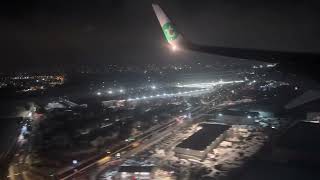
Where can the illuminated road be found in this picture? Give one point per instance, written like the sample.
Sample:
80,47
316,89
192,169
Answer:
155,138
83,168
18,169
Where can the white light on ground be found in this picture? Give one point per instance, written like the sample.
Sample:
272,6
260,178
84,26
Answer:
209,84
220,114
74,162
24,129
249,117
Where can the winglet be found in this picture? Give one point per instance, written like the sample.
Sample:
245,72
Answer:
172,36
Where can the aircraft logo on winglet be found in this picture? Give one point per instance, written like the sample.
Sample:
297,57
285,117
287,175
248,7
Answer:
169,31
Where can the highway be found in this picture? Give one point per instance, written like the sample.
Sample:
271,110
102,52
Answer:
102,160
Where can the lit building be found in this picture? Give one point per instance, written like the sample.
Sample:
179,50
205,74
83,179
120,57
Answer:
200,143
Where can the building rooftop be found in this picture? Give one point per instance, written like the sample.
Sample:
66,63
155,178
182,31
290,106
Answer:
303,136
204,137
238,113
132,169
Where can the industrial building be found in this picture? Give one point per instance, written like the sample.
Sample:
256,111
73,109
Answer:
135,172
201,142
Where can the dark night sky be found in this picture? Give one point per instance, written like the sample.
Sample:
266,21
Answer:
62,32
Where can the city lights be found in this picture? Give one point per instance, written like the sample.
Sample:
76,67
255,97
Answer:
204,88
105,98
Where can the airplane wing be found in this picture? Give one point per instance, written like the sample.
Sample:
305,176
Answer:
173,37
293,62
